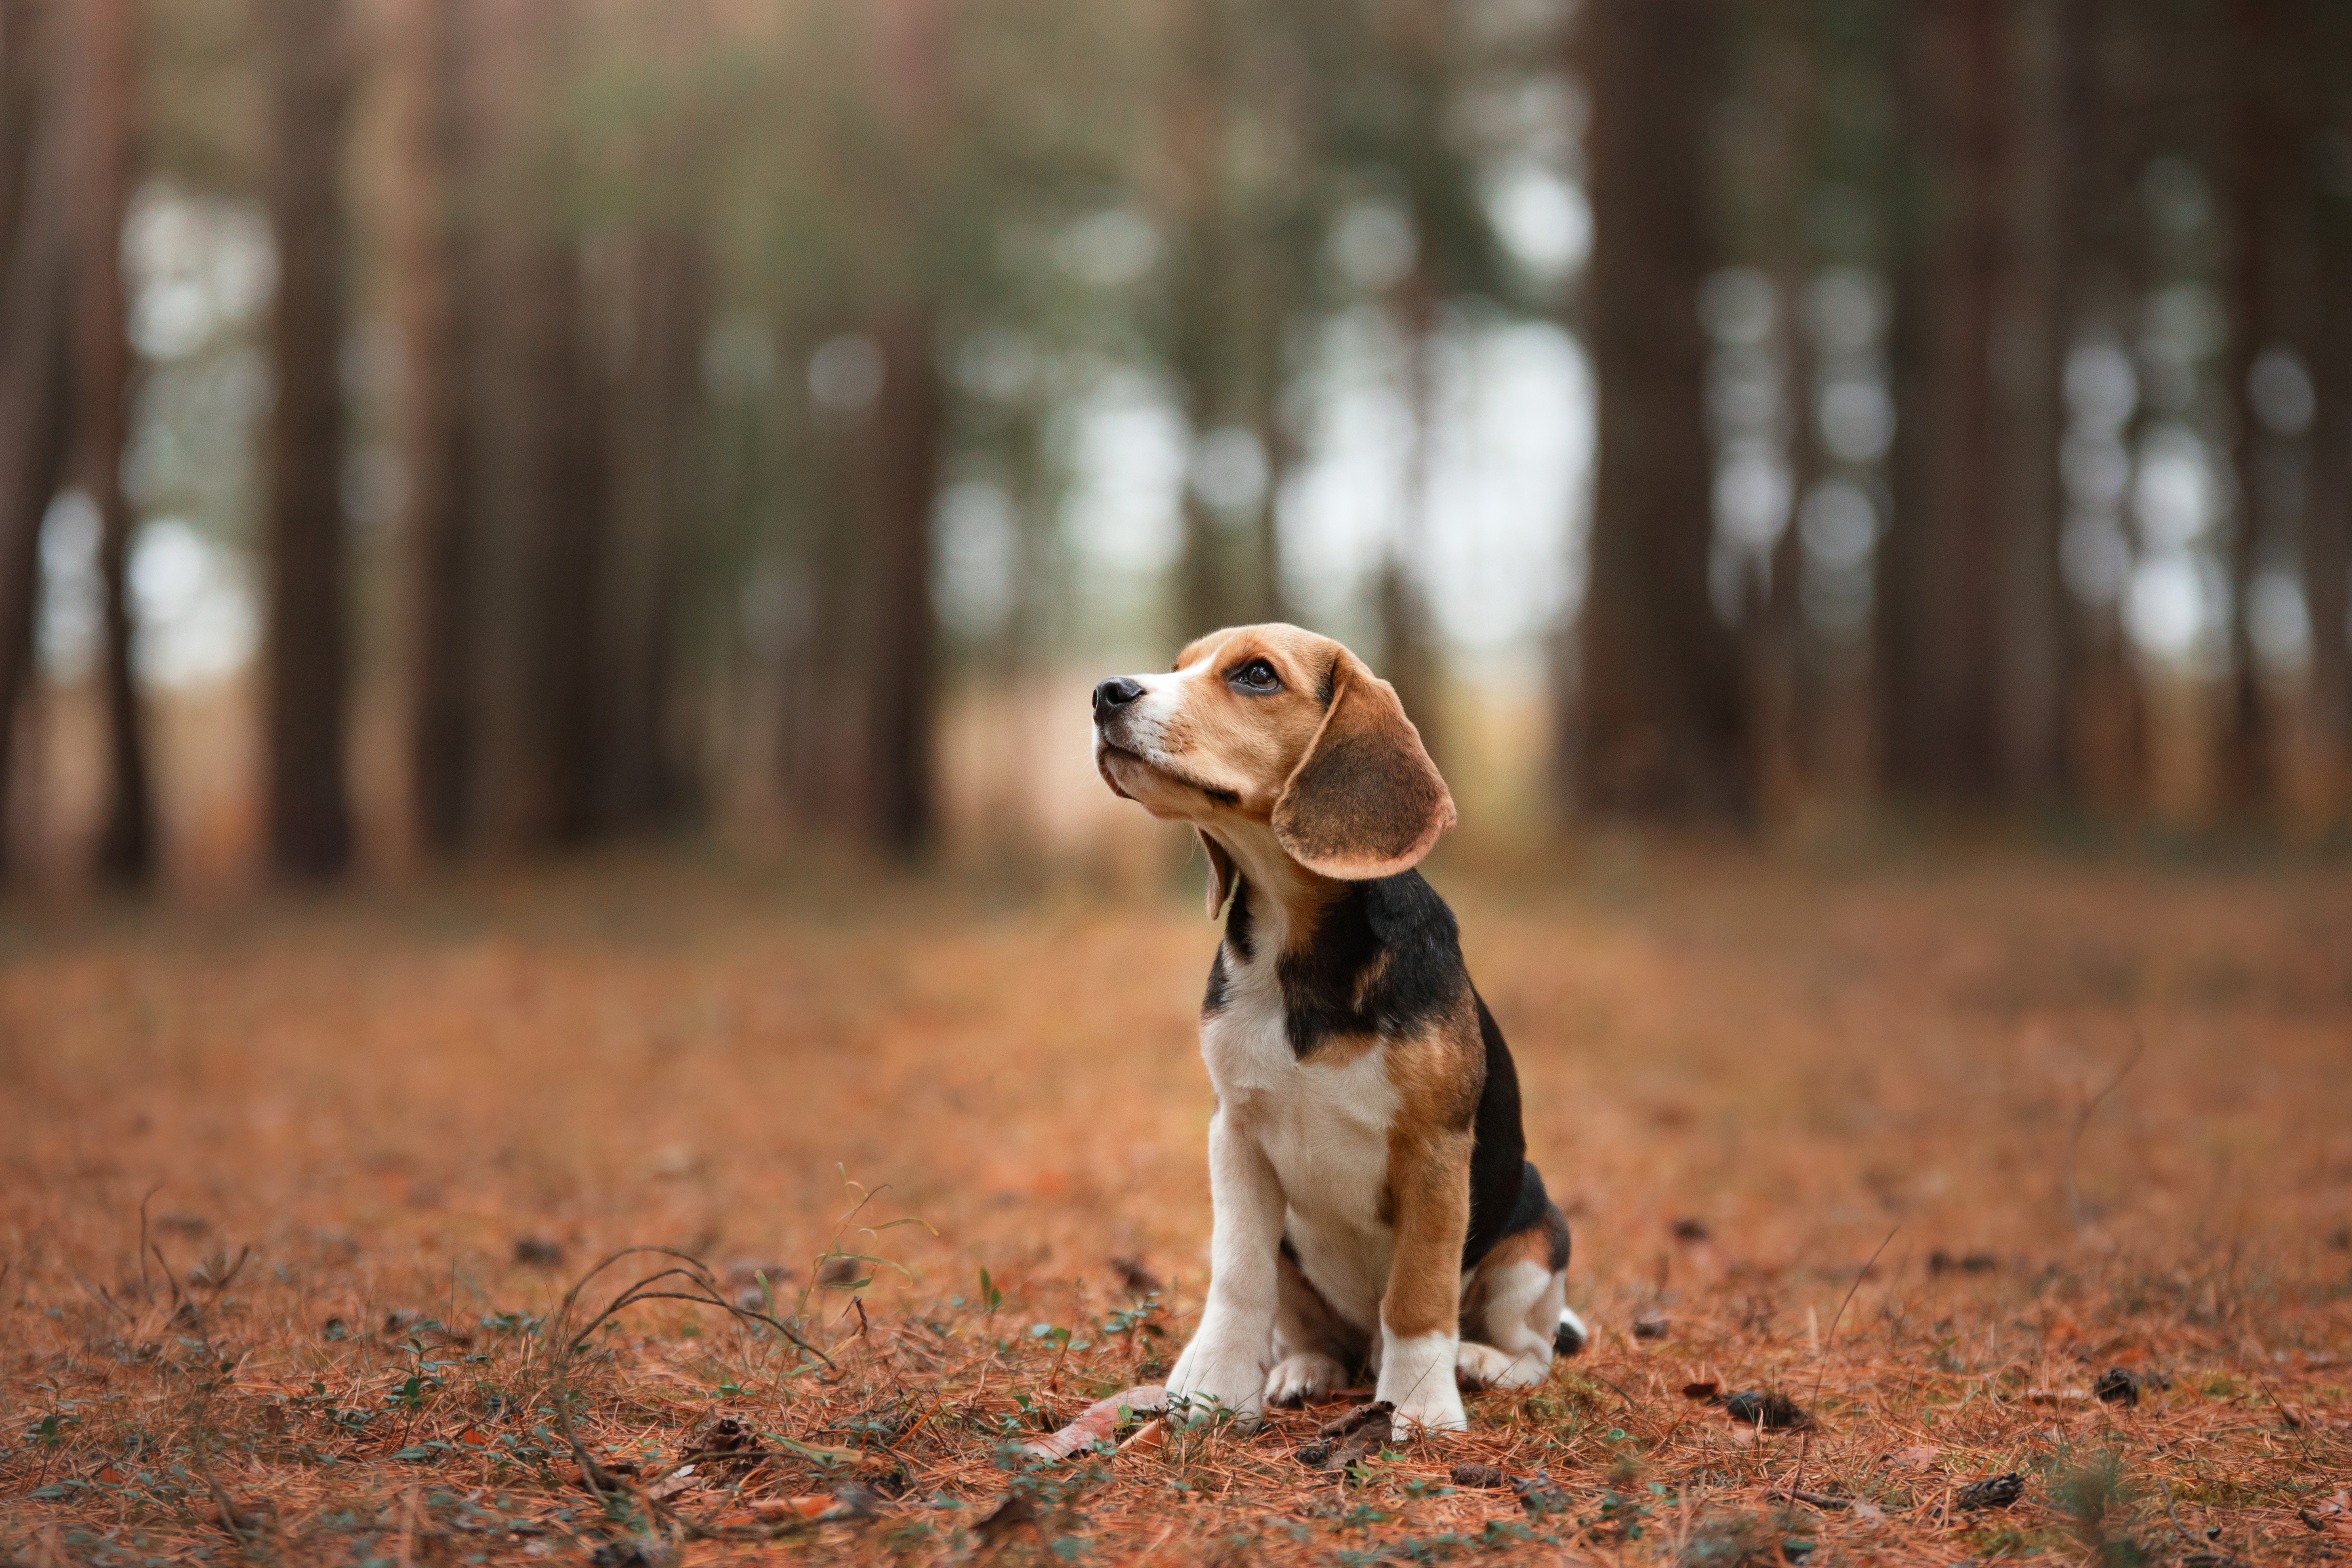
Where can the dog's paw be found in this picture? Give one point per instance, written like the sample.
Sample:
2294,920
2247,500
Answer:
1431,1415
1489,1366
1417,1377
1571,1335
1213,1383
1308,1376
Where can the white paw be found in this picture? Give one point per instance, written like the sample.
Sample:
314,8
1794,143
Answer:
1428,1415
1308,1375
1213,1381
1417,1377
1486,1366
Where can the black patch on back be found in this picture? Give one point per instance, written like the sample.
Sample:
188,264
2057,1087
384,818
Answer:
1214,1002
1398,917
1503,1185
1556,1231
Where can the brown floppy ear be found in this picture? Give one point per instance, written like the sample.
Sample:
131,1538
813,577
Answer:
1365,801
1223,875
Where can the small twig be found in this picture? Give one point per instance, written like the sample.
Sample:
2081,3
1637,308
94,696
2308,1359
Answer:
2083,1121
146,1285
2286,1417
99,1293
2165,1492
221,1284
179,1297
1822,1367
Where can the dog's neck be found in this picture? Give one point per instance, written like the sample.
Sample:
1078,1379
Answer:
1286,899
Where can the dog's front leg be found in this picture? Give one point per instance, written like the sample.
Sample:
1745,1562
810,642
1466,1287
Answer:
1227,1358
1429,1179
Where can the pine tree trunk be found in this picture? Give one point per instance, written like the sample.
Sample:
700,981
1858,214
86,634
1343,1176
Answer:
540,408
901,480
1659,720
2327,525
309,824
2029,354
573,530
1408,655
2326,521
432,258
107,84
1939,576
2261,148
35,390
649,767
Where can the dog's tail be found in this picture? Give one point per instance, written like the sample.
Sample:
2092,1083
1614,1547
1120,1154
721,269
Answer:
1571,1335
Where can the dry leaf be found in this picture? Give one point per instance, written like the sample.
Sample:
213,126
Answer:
1152,1434
808,1507
1918,1458
1099,1421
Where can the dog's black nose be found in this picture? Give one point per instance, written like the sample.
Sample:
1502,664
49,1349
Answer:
1114,694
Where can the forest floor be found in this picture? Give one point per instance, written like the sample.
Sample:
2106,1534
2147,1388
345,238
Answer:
293,1195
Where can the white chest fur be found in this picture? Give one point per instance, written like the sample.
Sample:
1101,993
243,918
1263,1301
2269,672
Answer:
1322,1124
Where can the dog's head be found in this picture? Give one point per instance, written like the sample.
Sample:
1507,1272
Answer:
1275,725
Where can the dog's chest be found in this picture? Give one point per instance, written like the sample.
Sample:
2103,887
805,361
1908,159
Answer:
1322,1123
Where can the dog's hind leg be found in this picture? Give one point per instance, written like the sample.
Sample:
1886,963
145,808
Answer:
1511,1349
1313,1347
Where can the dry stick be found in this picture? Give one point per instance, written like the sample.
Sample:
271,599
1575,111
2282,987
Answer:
2083,1121
2286,1418
600,1482
1821,1371
145,1285
95,1292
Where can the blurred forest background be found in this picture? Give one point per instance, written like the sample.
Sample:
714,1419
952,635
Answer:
475,428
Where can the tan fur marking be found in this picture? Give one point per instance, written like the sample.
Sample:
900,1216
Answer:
1439,1075
1430,1180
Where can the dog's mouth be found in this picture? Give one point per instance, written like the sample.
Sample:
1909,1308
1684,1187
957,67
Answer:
1104,752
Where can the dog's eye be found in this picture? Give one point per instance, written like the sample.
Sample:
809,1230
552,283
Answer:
1257,675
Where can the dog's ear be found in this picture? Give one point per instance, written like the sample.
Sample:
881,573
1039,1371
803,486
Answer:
1365,801
1223,876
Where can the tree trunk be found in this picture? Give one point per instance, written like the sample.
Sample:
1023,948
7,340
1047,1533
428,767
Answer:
25,58
543,530
432,256
647,767
309,824
2263,147
1658,726
2028,350
568,668
1408,653
106,83
34,397
1940,574
2326,522
901,479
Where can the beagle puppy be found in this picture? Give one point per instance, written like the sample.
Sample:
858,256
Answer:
1373,1205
